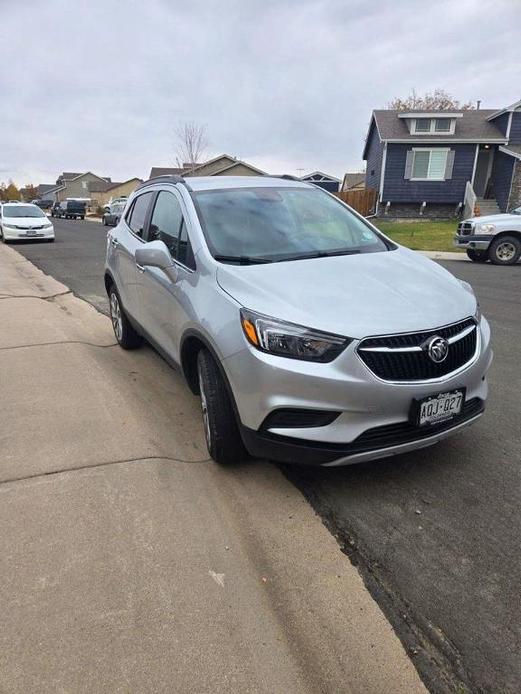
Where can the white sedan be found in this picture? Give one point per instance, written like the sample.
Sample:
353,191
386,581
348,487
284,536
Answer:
24,221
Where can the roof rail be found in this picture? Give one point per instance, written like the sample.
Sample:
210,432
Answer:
167,178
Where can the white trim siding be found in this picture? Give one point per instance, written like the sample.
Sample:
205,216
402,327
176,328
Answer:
382,174
475,167
509,123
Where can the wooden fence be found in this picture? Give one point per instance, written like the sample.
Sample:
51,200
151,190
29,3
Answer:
363,201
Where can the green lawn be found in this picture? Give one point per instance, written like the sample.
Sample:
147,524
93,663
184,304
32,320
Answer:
420,236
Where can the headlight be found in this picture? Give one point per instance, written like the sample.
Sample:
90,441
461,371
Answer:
485,228
47,225
290,340
10,226
468,288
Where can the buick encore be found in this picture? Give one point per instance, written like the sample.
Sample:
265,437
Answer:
309,335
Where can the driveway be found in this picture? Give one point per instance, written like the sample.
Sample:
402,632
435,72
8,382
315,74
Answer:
436,533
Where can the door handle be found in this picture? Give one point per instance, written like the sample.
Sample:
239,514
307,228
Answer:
114,242
140,268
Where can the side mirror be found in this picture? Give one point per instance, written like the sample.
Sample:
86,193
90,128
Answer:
155,254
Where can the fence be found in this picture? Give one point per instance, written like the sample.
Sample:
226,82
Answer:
363,201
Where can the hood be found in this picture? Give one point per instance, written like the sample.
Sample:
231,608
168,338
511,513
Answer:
26,222
502,217
355,296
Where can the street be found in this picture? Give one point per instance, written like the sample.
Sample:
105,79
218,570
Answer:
435,534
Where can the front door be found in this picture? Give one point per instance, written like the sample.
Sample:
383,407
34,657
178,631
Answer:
482,174
125,239
163,302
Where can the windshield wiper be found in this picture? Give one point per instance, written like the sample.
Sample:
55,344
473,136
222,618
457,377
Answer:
318,254
242,259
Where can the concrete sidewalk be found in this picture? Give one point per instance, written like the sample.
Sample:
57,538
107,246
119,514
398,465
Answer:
131,563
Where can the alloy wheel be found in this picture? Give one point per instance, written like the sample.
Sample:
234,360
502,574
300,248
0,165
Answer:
204,406
116,317
505,251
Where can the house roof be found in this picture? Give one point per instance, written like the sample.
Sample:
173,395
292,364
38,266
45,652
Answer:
116,184
473,126
353,179
237,162
68,175
46,188
513,150
156,171
507,109
319,176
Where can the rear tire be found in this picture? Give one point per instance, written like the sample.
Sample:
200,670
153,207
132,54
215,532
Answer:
220,423
477,256
505,250
125,334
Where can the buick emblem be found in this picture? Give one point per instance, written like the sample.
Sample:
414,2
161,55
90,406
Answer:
437,348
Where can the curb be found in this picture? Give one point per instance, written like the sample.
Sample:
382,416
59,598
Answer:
444,255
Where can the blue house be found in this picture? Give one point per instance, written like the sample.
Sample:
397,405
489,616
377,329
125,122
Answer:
444,163
322,180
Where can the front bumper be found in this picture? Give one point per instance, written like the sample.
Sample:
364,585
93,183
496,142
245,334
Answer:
21,235
262,384
480,242
381,442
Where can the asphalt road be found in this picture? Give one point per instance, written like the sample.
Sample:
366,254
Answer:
436,534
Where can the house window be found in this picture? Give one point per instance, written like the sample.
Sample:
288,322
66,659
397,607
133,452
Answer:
84,185
429,164
429,126
423,125
442,125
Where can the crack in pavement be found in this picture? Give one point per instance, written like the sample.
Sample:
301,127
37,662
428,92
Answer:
33,296
60,342
105,463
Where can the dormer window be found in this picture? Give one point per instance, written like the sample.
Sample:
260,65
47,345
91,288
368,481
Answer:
433,126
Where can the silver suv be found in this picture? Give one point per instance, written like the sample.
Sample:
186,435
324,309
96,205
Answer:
310,336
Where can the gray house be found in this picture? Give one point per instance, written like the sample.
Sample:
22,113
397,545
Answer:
445,163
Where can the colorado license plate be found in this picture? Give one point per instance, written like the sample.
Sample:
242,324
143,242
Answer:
439,408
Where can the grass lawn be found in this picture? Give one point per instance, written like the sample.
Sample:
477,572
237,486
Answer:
421,236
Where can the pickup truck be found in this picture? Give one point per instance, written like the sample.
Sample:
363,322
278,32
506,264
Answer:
495,237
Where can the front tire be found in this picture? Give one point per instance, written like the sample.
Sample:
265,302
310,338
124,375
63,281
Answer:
125,334
505,250
477,256
220,423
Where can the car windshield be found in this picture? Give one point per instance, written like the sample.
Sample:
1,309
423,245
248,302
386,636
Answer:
268,224
517,210
22,211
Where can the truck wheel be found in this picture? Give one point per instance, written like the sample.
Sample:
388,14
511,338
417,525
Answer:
505,250
477,256
220,424
82,217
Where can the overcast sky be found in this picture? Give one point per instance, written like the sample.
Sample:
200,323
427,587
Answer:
284,84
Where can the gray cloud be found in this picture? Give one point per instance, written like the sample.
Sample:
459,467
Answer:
100,84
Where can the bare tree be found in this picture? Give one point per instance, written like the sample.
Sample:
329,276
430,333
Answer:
438,100
191,144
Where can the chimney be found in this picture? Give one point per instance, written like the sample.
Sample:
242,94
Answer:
478,104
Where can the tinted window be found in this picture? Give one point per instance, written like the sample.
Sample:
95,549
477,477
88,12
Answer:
138,213
281,223
166,221
185,253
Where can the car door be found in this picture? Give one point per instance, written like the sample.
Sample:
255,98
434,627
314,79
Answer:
164,303
123,241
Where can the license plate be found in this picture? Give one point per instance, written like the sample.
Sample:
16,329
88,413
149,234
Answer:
31,232
439,408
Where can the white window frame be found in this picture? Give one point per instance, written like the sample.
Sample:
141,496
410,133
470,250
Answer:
432,130
430,150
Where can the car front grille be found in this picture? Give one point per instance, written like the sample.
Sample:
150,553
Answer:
404,432
404,357
465,228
